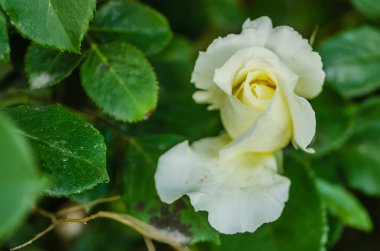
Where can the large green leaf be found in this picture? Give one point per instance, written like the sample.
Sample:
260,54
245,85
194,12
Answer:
53,23
120,80
360,159
141,197
369,8
46,67
71,152
302,226
330,107
19,182
4,40
131,22
344,205
352,61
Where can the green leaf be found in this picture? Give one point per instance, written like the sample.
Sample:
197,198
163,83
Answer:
141,196
45,67
120,80
369,8
19,182
131,22
344,205
360,159
302,226
52,23
329,106
71,152
4,40
173,67
352,61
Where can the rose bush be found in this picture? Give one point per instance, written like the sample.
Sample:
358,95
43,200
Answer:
259,80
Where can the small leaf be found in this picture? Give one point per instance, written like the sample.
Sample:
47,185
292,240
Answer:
46,67
4,40
119,79
52,23
329,106
352,63
131,22
359,160
344,205
369,8
71,152
302,226
19,182
141,197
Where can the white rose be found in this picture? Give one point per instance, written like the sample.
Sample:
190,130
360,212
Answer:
259,80
239,192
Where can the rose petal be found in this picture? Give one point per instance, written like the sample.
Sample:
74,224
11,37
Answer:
270,132
261,24
256,56
298,55
237,117
304,122
302,114
255,33
240,194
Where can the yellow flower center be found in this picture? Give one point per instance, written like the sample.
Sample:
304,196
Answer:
254,88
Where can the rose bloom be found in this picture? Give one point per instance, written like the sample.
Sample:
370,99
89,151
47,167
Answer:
259,80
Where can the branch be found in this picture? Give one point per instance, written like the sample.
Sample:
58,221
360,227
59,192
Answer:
149,232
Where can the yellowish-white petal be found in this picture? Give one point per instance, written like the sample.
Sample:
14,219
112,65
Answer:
298,55
255,56
271,131
302,115
304,122
263,25
254,34
237,117
239,194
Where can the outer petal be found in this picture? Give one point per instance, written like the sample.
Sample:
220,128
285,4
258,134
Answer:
298,55
304,123
302,114
270,132
255,33
240,193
